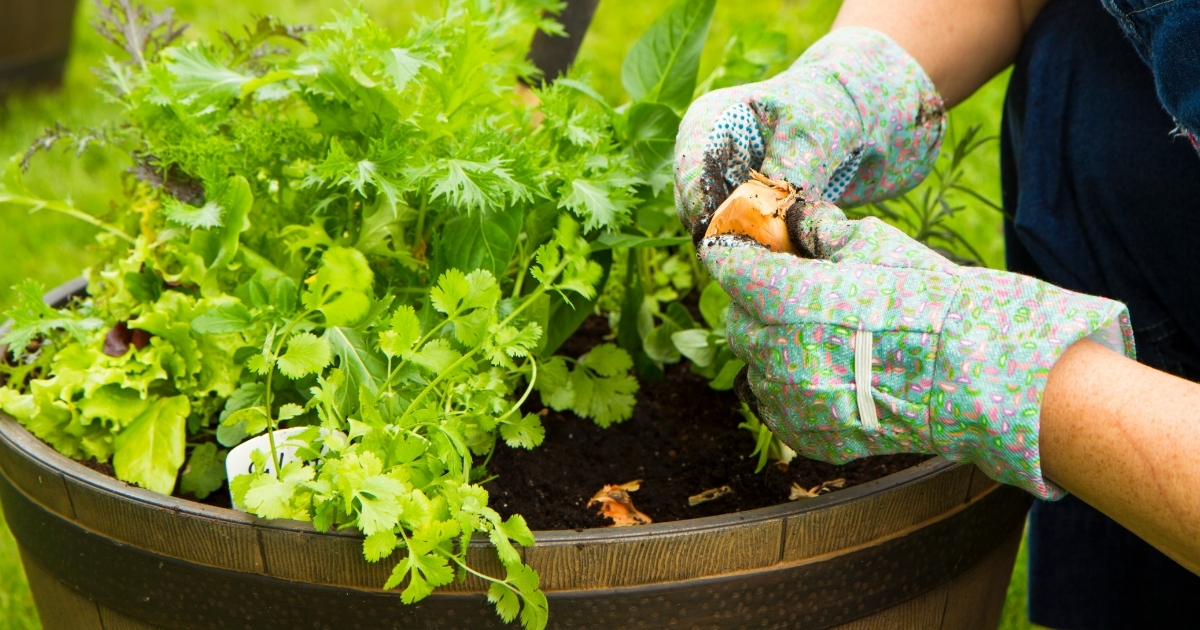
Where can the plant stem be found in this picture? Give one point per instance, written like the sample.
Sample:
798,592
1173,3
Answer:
275,464
69,210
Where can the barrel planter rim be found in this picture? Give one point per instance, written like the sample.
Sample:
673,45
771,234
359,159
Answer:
938,537
22,440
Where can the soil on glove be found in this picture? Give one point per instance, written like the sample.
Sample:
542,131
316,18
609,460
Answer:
683,439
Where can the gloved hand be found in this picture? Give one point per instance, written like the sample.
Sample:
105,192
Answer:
854,119
886,347
951,360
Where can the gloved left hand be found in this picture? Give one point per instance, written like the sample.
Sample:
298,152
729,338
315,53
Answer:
854,119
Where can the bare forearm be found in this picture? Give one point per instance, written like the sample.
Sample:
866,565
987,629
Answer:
960,43
1126,439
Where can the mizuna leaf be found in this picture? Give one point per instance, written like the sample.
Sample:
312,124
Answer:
150,451
591,201
306,354
198,218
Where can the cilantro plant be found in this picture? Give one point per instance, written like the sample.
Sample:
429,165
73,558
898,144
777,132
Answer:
366,236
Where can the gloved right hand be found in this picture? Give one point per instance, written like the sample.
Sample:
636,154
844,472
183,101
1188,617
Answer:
883,346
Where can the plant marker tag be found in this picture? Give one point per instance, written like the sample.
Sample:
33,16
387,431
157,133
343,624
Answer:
239,463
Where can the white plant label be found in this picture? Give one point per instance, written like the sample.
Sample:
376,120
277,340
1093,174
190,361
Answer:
239,462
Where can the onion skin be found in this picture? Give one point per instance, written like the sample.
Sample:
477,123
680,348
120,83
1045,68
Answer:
757,209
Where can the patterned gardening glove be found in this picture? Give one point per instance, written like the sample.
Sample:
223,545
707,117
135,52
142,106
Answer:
883,346
854,119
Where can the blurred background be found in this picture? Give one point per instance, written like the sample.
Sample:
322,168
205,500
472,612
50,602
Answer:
53,249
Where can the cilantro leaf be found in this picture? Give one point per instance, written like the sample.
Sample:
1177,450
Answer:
306,354
525,432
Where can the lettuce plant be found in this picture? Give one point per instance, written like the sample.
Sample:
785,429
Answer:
365,235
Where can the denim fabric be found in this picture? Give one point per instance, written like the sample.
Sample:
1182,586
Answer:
1166,33
1103,201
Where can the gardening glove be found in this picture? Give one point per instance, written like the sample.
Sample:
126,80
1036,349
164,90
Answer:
854,119
883,346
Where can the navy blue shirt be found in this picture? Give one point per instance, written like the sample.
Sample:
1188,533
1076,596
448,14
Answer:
1102,184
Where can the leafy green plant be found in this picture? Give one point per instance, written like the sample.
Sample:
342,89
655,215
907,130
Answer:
363,235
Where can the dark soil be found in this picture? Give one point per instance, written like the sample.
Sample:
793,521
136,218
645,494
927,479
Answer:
683,439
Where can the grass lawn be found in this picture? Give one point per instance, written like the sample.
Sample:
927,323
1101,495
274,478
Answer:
52,249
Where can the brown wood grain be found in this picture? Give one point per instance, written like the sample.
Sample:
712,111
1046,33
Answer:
980,483
819,532
213,542
59,607
658,558
923,612
338,561
114,620
44,484
976,598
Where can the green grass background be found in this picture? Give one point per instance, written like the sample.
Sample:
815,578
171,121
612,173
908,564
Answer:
53,249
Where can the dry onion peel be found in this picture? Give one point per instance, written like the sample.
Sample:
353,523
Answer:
616,504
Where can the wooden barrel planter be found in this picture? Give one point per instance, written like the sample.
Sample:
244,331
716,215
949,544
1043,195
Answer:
928,547
35,37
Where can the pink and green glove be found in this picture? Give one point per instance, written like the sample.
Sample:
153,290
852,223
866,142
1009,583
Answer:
886,347
855,119
876,344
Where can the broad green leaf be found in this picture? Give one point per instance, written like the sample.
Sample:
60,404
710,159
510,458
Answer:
436,355
341,288
306,354
695,345
150,451
724,380
611,240
651,131
204,473
235,198
663,64
481,241
714,304
361,365
226,318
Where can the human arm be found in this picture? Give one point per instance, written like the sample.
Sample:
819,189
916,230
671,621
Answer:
961,44
1125,438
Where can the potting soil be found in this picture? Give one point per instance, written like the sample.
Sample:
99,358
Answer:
683,439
